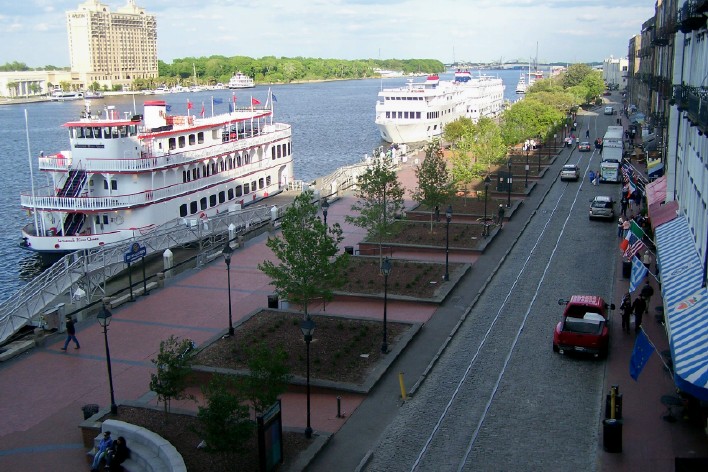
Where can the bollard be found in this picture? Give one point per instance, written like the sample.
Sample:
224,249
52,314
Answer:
339,407
403,386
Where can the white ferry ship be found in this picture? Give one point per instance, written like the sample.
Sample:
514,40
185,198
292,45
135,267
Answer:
418,112
124,176
239,80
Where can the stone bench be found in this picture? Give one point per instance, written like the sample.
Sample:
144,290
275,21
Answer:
149,452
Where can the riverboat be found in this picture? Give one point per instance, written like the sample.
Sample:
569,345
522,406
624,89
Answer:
239,81
521,86
61,96
124,176
418,112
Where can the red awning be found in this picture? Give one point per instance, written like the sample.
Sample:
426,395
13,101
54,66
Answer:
656,191
662,213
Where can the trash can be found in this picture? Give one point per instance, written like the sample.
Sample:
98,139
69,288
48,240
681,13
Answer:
626,269
273,301
349,250
618,406
612,435
89,410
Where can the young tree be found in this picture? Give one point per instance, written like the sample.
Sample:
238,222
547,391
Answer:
173,363
309,266
435,187
225,421
487,146
268,376
379,200
462,169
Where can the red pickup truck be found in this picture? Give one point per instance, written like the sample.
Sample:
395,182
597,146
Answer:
583,327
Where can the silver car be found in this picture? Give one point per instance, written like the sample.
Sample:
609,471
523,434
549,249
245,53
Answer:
570,172
602,207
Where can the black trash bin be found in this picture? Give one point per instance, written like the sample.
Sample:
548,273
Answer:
89,410
349,250
273,301
626,269
612,435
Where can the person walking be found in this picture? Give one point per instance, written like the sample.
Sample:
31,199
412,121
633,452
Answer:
646,260
626,307
646,293
501,215
587,133
620,224
625,226
639,307
624,202
70,333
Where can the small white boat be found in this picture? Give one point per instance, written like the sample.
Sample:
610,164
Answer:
93,95
61,96
240,80
521,86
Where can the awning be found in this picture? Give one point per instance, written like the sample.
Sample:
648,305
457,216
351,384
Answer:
685,306
659,210
656,191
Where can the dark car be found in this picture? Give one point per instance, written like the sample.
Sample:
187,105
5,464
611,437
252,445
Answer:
584,146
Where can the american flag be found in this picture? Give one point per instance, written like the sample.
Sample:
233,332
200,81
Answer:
634,248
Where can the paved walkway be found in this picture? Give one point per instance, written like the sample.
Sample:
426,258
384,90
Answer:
42,391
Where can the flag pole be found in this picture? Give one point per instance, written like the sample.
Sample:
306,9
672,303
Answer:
666,366
212,106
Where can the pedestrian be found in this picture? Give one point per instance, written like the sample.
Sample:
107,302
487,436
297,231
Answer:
626,224
117,454
596,180
70,333
623,205
620,222
646,293
637,198
638,307
587,134
626,307
646,260
501,215
591,176
102,450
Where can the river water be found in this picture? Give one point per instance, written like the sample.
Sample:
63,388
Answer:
333,126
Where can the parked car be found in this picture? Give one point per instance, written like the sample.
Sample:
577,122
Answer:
570,172
583,326
609,111
602,207
584,146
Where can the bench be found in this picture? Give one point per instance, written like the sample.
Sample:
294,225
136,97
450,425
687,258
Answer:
149,452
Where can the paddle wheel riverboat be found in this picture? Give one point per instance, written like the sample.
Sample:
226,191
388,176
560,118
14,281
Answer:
125,176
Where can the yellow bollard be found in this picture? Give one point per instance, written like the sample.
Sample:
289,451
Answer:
403,386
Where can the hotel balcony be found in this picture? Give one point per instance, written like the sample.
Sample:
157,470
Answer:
690,17
693,101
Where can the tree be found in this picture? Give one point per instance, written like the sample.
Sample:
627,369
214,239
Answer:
455,130
487,146
173,363
575,74
462,170
435,187
225,421
268,376
379,201
309,266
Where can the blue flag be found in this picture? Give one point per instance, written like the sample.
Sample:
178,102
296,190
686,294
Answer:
168,107
273,95
218,101
640,355
231,108
639,271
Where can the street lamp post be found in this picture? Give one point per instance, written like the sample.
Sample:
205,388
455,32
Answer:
509,180
526,177
227,258
448,218
386,270
487,181
325,209
308,328
104,319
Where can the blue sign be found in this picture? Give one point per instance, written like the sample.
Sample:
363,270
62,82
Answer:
136,252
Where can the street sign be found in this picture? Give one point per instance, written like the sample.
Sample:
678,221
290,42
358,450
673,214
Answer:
136,252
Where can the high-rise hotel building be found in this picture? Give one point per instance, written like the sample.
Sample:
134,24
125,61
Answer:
112,48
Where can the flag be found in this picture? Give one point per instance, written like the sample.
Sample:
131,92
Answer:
168,108
273,96
635,229
218,101
632,188
640,354
639,271
189,105
202,112
231,108
634,248
629,238
255,101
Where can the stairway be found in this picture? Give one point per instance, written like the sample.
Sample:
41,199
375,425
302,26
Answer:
74,184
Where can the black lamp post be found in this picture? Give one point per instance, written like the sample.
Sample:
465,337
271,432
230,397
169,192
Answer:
325,208
526,177
104,319
508,181
227,258
487,181
448,218
308,328
386,270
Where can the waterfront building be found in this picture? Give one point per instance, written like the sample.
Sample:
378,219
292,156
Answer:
112,48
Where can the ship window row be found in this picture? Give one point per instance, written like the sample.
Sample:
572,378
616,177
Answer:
209,169
404,98
432,115
181,141
222,196
403,115
280,150
102,132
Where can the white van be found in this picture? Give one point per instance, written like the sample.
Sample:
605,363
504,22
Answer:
609,111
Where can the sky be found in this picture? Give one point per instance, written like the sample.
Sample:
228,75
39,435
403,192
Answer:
34,31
